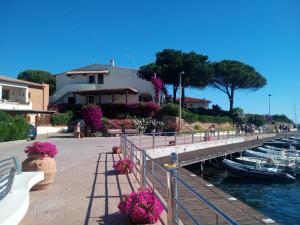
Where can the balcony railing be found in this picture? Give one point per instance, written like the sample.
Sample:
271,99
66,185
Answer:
7,104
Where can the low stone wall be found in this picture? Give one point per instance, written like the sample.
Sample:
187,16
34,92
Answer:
166,151
49,129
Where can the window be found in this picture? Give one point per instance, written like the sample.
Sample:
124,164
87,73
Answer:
71,100
91,99
100,79
91,79
5,94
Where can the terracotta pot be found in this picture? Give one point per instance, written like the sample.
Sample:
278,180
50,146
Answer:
116,150
37,163
140,220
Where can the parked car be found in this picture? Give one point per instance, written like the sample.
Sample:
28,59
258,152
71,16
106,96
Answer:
32,133
73,124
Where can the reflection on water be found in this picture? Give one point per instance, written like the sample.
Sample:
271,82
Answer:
280,201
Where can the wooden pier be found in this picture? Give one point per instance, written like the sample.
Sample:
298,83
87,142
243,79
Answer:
237,210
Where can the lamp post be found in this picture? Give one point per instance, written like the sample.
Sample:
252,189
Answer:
180,100
269,106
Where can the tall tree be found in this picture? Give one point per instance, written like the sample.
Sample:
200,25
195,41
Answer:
169,63
233,75
39,76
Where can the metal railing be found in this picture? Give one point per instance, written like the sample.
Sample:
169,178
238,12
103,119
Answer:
162,139
8,169
165,184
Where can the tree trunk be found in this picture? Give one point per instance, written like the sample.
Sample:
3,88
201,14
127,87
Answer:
174,93
231,99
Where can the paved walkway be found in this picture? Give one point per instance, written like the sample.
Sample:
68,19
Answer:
86,189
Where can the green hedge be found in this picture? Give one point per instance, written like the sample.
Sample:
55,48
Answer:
62,118
171,109
214,119
12,128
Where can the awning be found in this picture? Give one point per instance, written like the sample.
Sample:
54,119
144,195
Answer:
120,91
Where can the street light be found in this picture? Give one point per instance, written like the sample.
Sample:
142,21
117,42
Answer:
270,106
180,93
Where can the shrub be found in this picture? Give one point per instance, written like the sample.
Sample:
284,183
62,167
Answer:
148,125
62,118
92,117
12,128
147,109
118,123
214,119
43,149
170,109
64,107
141,205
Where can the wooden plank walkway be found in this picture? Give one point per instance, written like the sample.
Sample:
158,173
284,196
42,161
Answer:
237,210
201,155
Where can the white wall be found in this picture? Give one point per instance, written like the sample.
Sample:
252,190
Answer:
117,78
49,129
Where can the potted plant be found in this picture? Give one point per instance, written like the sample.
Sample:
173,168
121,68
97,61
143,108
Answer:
40,157
116,150
142,207
123,166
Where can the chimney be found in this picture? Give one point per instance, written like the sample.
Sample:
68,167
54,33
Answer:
112,62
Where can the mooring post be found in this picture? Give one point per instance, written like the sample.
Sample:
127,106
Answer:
172,192
153,140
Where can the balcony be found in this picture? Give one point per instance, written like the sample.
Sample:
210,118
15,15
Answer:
13,105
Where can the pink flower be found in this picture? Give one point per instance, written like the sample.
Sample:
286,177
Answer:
43,149
142,204
123,166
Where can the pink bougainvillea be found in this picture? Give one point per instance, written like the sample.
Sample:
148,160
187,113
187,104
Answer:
123,166
142,205
158,86
43,149
92,115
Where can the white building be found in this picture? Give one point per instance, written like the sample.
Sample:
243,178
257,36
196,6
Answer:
195,103
19,97
101,84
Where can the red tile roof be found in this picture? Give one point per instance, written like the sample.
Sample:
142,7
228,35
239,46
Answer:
194,100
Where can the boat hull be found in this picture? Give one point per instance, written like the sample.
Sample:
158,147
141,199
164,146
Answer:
232,167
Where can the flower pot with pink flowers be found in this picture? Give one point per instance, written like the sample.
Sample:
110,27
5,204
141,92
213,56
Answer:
116,150
40,157
123,166
142,207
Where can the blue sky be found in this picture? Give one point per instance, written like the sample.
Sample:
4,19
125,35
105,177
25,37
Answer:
60,35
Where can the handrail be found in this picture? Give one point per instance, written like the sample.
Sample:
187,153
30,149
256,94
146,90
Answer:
8,169
130,150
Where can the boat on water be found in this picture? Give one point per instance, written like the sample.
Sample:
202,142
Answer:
269,163
283,144
257,171
282,158
282,152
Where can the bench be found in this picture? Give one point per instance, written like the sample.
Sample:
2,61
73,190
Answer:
114,132
14,203
131,131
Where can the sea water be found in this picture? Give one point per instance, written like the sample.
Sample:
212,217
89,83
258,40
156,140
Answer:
278,201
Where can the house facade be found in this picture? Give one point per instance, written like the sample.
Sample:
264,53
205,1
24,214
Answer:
195,103
101,84
23,97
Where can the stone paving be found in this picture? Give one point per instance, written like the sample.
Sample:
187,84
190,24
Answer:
86,189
